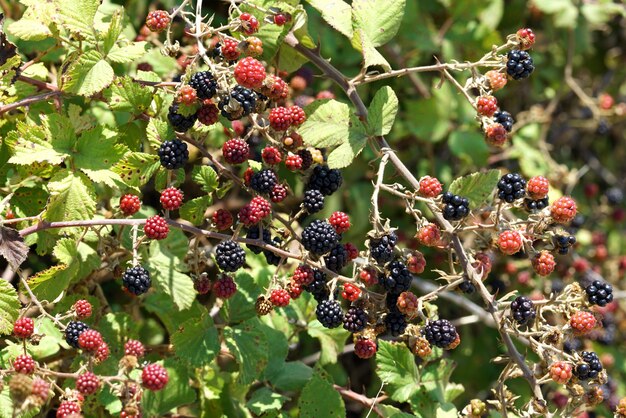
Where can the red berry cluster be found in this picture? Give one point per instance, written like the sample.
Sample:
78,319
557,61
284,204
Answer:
222,219
563,209
351,292
186,95
271,155
543,263
249,23
23,328
208,114
280,297
88,383
583,322
130,204
24,364
154,377
171,198
486,105
282,118
156,228
538,187
526,38
293,162
561,372
157,20
510,242
83,309
340,221
255,211
303,275
430,187
429,235
90,340
236,151
416,263
250,72
230,49
134,348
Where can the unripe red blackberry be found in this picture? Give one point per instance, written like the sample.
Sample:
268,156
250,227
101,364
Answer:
249,23
365,348
294,289
563,210
254,211
582,322
134,348
293,162
407,304
421,347
24,364
416,263
229,48
20,387
88,383
526,38
102,354
352,250
429,187
157,20
538,187
68,409
83,309
543,263
225,287
280,19
40,391
369,276
497,80
486,105
340,221
236,151
350,292
482,264
510,242
186,95
130,204
496,134
208,114
23,327
278,89
278,193
154,377
297,115
280,118
90,340
250,73
202,284
171,198
156,228
253,46
429,235
271,155
222,219
280,298
303,275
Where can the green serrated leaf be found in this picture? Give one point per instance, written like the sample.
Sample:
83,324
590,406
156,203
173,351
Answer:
327,124
193,210
206,177
344,154
72,197
371,56
469,146
395,365
196,341
382,111
476,187
163,307
240,306
158,131
336,13
77,16
320,399
128,53
379,20
29,201
113,31
87,75
9,307
29,30
249,346
50,283
30,146
292,376
264,400
332,341
96,154
128,96
136,168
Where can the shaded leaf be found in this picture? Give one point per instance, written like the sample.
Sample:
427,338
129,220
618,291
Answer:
320,399
196,341
12,247
395,365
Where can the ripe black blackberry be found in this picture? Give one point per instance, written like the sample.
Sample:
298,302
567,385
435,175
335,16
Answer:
564,242
398,278
523,310
307,158
599,293
313,201
179,122
325,180
381,249
319,237
455,207
467,286
440,333
73,331
395,323
173,154
230,256
505,119
329,313
238,103
253,233
511,187
263,181
590,368
318,287
355,319
204,83
519,64
571,345
136,280
536,205
270,257
391,301
337,258
614,196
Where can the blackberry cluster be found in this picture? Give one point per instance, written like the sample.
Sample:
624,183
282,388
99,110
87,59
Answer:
398,278
505,119
440,333
313,201
230,256
381,249
536,205
391,301
173,154
204,84
511,187
455,207
599,293
263,181
179,122
238,103
325,180
329,313
355,319
519,64
270,257
136,280
590,368
318,287
319,237
395,323
73,331
523,310
337,258
564,242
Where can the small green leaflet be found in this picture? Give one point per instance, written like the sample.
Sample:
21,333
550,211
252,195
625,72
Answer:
477,187
9,307
382,111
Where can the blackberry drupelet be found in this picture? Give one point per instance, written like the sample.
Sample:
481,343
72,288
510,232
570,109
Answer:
253,233
395,323
238,103
440,333
230,256
381,249
73,331
599,293
319,237
204,83
313,201
455,207
136,280
590,368
325,180
511,187
337,258
270,257
523,310
398,278
505,119
329,313
355,319
263,181
519,64
173,154
536,205
179,122
318,287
